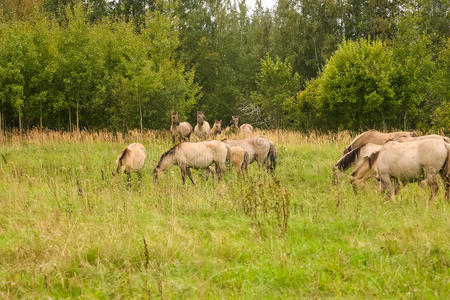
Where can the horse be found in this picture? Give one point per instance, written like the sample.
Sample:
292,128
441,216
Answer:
182,130
216,129
132,158
424,137
194,155
239,160
259,149
406,162
354,157
244,130
376,137
202,129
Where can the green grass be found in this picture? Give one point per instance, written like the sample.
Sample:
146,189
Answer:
68,231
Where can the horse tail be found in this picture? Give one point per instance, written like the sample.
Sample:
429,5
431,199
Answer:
122,155
347,160
272,156
445,171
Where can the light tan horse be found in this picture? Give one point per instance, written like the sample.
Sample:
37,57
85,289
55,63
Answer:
423,137
132,158
354,157
202,129
406,162
181,131
259,149
239,160
216,129
244,130
376,137
194,155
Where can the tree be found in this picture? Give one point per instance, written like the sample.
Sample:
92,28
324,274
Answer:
355,86
276,84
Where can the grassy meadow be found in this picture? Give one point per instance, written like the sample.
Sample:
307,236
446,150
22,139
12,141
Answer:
69,229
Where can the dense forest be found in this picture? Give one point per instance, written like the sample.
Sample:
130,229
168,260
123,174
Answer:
305,64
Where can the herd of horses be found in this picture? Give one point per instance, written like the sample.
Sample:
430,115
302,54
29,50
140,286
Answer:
208,155
391,158
397,158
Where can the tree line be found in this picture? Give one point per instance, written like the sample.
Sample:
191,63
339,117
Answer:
305,64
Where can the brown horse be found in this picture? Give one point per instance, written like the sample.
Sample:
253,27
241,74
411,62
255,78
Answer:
202,128
376,137
259,149
132,158
406,162
182,131
194,155
217,129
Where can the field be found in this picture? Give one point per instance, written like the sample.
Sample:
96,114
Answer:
68,228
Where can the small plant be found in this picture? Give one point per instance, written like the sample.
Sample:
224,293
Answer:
266,201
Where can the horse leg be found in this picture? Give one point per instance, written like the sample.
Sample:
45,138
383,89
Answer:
183,174
387,185
219,171
128,178
396,186
190,175
432,183
139,176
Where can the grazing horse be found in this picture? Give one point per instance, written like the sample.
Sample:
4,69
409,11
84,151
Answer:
217,129
244,130
376,137
406,162
354,157
423,137
259,149
182,130
202,128
132,158
194,155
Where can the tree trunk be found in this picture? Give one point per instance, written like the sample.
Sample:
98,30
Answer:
20,120
40,116
1,121
78,108
140,114
70,118
404,119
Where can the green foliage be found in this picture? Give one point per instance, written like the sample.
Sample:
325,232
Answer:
276,83
126,64
355,86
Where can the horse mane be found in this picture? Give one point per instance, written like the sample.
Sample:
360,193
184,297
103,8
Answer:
372,158
168,152
346,161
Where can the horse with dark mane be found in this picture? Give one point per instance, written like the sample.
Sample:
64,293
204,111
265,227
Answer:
376,137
